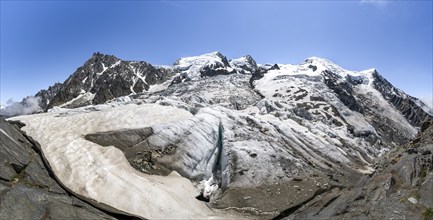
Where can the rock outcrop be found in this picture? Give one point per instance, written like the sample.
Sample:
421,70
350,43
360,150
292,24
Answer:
400,188
46,95
406,104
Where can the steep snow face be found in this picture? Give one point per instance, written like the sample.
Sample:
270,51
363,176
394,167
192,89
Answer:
85,98
323,64
102,174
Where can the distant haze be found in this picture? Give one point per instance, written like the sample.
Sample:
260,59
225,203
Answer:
29,105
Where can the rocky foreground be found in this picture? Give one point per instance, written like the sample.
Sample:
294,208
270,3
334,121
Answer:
400,188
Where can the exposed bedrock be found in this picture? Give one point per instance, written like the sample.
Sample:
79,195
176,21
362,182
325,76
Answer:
401,188
402,102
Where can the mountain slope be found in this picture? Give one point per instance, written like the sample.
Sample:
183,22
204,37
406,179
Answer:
231,127
400,188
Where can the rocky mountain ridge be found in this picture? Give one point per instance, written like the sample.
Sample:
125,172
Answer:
105,77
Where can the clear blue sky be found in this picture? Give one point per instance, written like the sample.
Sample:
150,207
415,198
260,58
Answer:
43,42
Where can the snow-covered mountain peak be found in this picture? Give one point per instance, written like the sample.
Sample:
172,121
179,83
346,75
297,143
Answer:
102,58
322,64
317,59
200,60
245,64
321,61
196,67
246,58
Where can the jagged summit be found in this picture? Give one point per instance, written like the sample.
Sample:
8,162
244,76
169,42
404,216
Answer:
245,64
105,77
98,57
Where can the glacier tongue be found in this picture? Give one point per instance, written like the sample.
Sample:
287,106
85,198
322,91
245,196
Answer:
232,148
102,174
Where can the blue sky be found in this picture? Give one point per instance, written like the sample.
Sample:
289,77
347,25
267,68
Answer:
43,42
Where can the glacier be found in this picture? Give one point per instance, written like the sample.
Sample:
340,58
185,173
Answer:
232,131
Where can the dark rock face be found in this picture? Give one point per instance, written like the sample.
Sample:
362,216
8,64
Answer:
404,103
46,95
215,69
343,90
261,71
107,77
109,88
183,77
27,187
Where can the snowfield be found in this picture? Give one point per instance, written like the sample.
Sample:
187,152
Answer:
102,175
